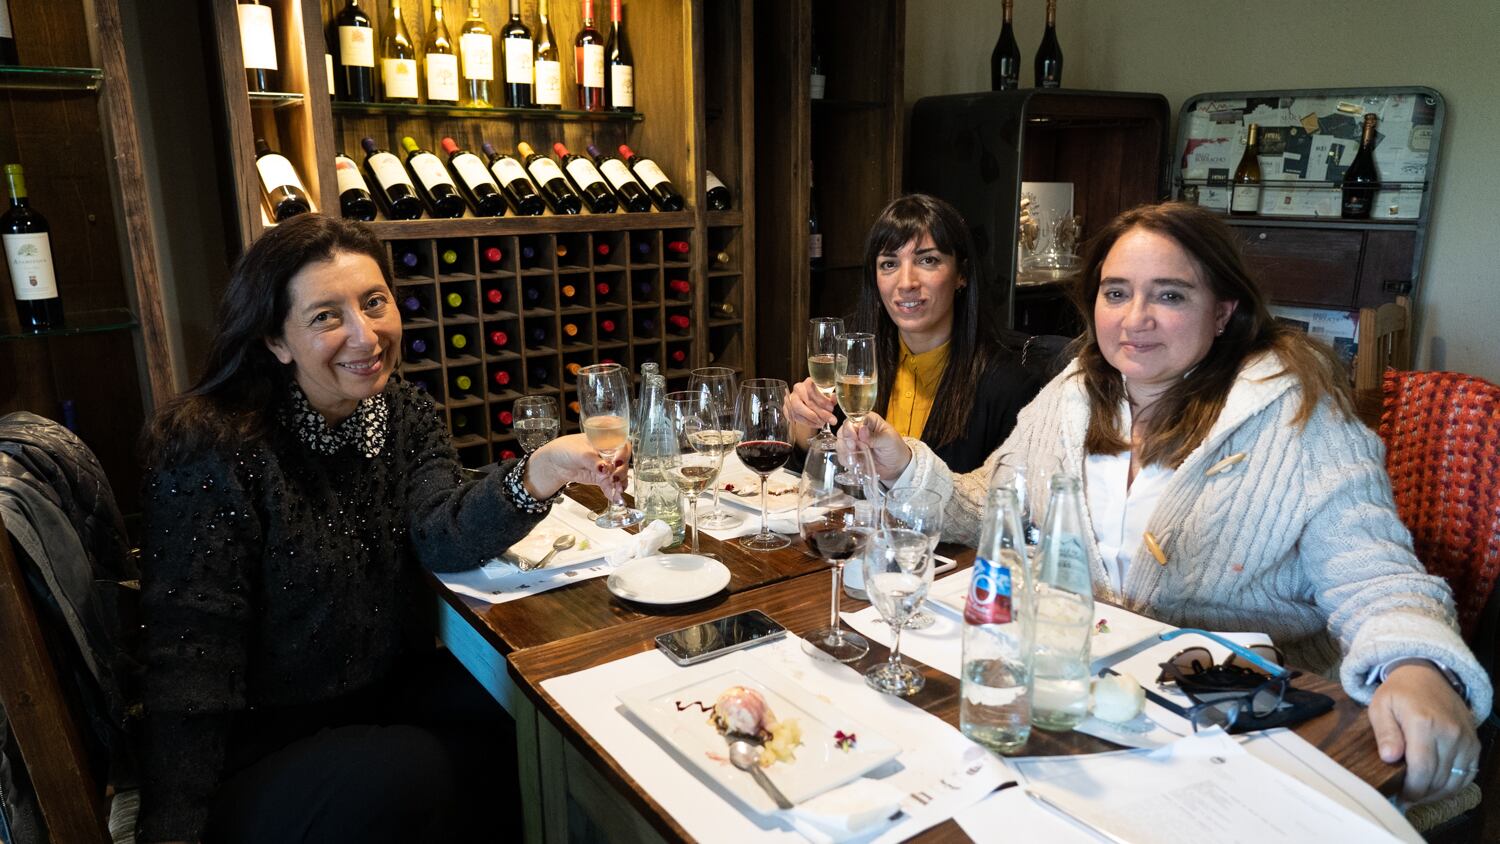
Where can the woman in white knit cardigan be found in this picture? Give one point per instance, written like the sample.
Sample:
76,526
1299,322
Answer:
1231,488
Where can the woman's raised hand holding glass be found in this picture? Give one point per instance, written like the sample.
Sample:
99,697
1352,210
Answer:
604,406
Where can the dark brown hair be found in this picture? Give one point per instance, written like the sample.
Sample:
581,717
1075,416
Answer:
1183,416
228,406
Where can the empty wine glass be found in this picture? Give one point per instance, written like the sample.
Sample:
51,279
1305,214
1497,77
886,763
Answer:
536,421
764,446
719,383
604,407
822,357
898,573
920,510
830,524
696,464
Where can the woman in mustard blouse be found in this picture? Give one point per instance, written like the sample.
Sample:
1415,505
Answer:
946,377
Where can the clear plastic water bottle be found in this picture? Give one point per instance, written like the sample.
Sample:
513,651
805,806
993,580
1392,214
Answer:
655,494
996,682
1064,612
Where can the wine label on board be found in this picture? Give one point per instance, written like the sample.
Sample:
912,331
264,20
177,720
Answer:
388,170
257,37
356,46
517,61
400,77
276,171
472,171
548,83
507,170
30,260
622,85
545,170
348,175
593,66
617,172
478,50
430,170
650,173
442,77
1245,199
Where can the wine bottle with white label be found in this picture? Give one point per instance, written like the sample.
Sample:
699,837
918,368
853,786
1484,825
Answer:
511,175
393,188
1244,191
355,42
547,90
588,62
8,54
549,177
28,253
279,184
717,196
355,202
441,60
398,60
474,180
258,45
657,184
617,62
477,49
630,192
587,181
515,39
434,184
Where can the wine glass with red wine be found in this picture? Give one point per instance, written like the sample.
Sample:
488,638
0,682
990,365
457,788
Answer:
832,527
765,445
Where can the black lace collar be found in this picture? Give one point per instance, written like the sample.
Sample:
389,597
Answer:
364,430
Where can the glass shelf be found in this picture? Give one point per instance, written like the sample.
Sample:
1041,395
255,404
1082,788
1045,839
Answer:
84,322
274,99
407,110
18,77
1306,184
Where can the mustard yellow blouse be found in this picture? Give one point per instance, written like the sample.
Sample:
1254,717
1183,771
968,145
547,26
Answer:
914,388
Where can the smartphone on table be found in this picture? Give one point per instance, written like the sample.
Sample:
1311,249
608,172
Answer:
701,642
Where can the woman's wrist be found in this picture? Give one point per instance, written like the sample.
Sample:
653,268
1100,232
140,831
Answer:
539,479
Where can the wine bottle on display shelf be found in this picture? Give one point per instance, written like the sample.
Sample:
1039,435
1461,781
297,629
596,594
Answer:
28,254
679,323
570,331
511,175
562,250
1361,180
398,60
458,342
463,385
476,50
569,294
587,181
601,289
817,82
588,62
494,297
1005,60
474,180
549,177
433,182
528,255
573,368
490,258
536,336
453,304
499,342
441,60
681,287
449,259
643,289
722,258
643,247
723,310
814,226
407,260
502,378
505,418
657,184
532,294
645,328
631,192
677,357
279,184
547,88
515,40
418,348
619,66
258,46
412,305
1245,189
1048,65
355,41
355,202
602,250
394,190
679,248
717,197
607,329
8,53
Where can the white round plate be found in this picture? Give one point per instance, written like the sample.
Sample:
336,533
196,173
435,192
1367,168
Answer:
669,579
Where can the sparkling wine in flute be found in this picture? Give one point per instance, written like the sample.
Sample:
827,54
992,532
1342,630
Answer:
857,395
824,372
607,433
763,456
692,480
714,443
536,432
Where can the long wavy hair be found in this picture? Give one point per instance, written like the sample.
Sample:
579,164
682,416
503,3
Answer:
1183,416
229,406
974,344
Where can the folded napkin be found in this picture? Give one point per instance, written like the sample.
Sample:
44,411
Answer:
846,812
649,541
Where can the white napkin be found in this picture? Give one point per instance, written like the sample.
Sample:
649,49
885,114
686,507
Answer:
650,540
846,812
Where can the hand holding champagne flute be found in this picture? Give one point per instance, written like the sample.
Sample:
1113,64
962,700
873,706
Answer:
604,406
761,415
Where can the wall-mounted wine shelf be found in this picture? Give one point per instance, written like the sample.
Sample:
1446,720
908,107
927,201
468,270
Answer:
399,110
21,78
274,99
83,322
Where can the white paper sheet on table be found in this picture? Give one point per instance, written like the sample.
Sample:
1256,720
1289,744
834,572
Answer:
782,514
939,769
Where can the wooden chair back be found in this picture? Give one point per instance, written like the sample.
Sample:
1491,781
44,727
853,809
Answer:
1384,342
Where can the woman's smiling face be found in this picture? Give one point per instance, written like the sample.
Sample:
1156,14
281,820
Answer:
917,284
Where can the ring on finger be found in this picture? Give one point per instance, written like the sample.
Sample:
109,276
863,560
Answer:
1459,771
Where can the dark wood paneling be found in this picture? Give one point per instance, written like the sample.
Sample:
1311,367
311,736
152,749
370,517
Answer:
1386,267
1315,268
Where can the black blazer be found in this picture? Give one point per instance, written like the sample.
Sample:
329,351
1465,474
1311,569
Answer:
1005,388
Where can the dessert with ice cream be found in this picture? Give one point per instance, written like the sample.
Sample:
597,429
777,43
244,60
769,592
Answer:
742,713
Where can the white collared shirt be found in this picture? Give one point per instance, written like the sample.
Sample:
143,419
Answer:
1120,510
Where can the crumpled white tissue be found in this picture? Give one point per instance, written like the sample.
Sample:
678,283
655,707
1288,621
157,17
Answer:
847,811
649,541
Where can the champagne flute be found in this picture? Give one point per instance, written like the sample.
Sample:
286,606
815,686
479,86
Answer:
766,444
898,573
698,459
718,382
856,380
920,510
829,523
536,421
604,407
822,357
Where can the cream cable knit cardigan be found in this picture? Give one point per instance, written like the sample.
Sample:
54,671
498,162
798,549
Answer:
1299,539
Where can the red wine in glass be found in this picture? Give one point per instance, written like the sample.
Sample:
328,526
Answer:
763,456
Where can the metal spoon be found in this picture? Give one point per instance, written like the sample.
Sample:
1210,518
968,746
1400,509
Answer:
746,757
562,543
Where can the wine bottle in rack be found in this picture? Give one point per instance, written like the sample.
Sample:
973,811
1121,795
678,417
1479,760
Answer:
602,249
453,304
1049,58
722,259
601,290
418,348
28,254
441,60
499,340
502,378
643,247
531,294
355,202
463,385
8,54
677,358
630,192
512,178
1361,180
680,287
528,255
355,80
280,186
393,188
562,250
570,332
490,260
258,45
407,260
476,50
433,182
494,297
573,368
679,323
505,418
814,225
538,376
1005,59
505,454
549,177
717,197
573,409
644,289
449,259
586,180
658,186
722,310
412,305
398,60
458,341
618,65
817,78
1245,189
474,180
679,248
547,88
569,294
515,40
588,62
645,328
607,329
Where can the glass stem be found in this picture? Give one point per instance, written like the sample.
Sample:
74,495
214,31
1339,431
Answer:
715,511
765,528
693,518
833,600
895,659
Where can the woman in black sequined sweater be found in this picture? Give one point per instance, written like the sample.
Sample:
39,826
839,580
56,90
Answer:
290,498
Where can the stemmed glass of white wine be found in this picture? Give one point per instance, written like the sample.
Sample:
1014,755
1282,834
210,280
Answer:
604,407
856,380
536,421
718,384
822,357
699,455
